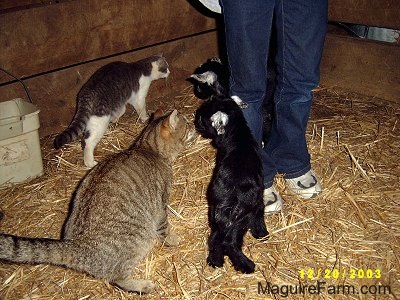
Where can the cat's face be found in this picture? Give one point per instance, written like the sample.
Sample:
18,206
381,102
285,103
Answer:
169,134
160,68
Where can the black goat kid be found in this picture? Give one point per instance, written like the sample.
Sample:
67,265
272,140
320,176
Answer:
235,193
212,79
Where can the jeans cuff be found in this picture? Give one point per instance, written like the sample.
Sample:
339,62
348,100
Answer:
298,173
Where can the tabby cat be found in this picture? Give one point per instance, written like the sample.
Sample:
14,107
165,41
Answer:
103,99
117,212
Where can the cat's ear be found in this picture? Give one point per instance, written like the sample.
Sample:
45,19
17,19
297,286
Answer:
173,119
170,123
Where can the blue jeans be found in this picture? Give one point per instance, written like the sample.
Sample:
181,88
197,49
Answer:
300,27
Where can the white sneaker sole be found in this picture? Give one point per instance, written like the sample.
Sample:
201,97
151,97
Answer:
272,201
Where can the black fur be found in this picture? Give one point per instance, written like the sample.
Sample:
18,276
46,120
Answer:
235,193
220,88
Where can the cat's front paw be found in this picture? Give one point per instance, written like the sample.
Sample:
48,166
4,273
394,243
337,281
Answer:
90,163
144,117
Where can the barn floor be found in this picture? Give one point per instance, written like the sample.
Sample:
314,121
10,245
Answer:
349,237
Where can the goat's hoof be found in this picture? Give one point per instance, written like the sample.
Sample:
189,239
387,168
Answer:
260,233
245,267
215,262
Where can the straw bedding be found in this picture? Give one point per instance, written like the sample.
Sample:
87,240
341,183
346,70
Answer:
355,147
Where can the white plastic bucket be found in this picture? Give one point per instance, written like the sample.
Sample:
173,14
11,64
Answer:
20,155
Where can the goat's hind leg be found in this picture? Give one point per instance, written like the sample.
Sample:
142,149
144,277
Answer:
233,248
258,228
216,252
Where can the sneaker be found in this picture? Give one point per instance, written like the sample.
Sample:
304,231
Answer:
306,186
272,200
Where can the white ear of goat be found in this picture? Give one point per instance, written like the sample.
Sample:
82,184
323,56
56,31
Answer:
208,77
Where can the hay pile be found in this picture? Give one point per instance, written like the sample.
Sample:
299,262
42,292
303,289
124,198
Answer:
355,146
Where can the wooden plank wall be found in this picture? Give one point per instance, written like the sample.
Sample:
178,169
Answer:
363,66
378,13
56,46
53,36
358,65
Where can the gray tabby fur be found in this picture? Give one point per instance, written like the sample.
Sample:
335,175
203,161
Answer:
118,210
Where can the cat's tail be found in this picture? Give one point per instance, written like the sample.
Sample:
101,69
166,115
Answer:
37,250
75,129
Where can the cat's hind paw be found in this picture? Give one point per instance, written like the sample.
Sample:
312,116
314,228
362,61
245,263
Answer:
172,240
137,285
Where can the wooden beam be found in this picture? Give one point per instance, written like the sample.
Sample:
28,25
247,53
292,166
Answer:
363,66
17,4
55,93
50,37
382,13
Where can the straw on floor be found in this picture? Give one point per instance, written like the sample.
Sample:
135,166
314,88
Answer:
348,237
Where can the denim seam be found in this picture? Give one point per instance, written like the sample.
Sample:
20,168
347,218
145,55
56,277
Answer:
282,74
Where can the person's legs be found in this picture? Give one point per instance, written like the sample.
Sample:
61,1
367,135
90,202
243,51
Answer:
248,30
301,26
300,34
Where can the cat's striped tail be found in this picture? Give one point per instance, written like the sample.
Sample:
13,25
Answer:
36,250
75,129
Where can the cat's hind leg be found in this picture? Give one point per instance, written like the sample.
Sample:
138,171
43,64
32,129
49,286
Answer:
165,234
122,275
95,129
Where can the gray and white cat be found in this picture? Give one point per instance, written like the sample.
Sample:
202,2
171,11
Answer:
103,99
117,212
